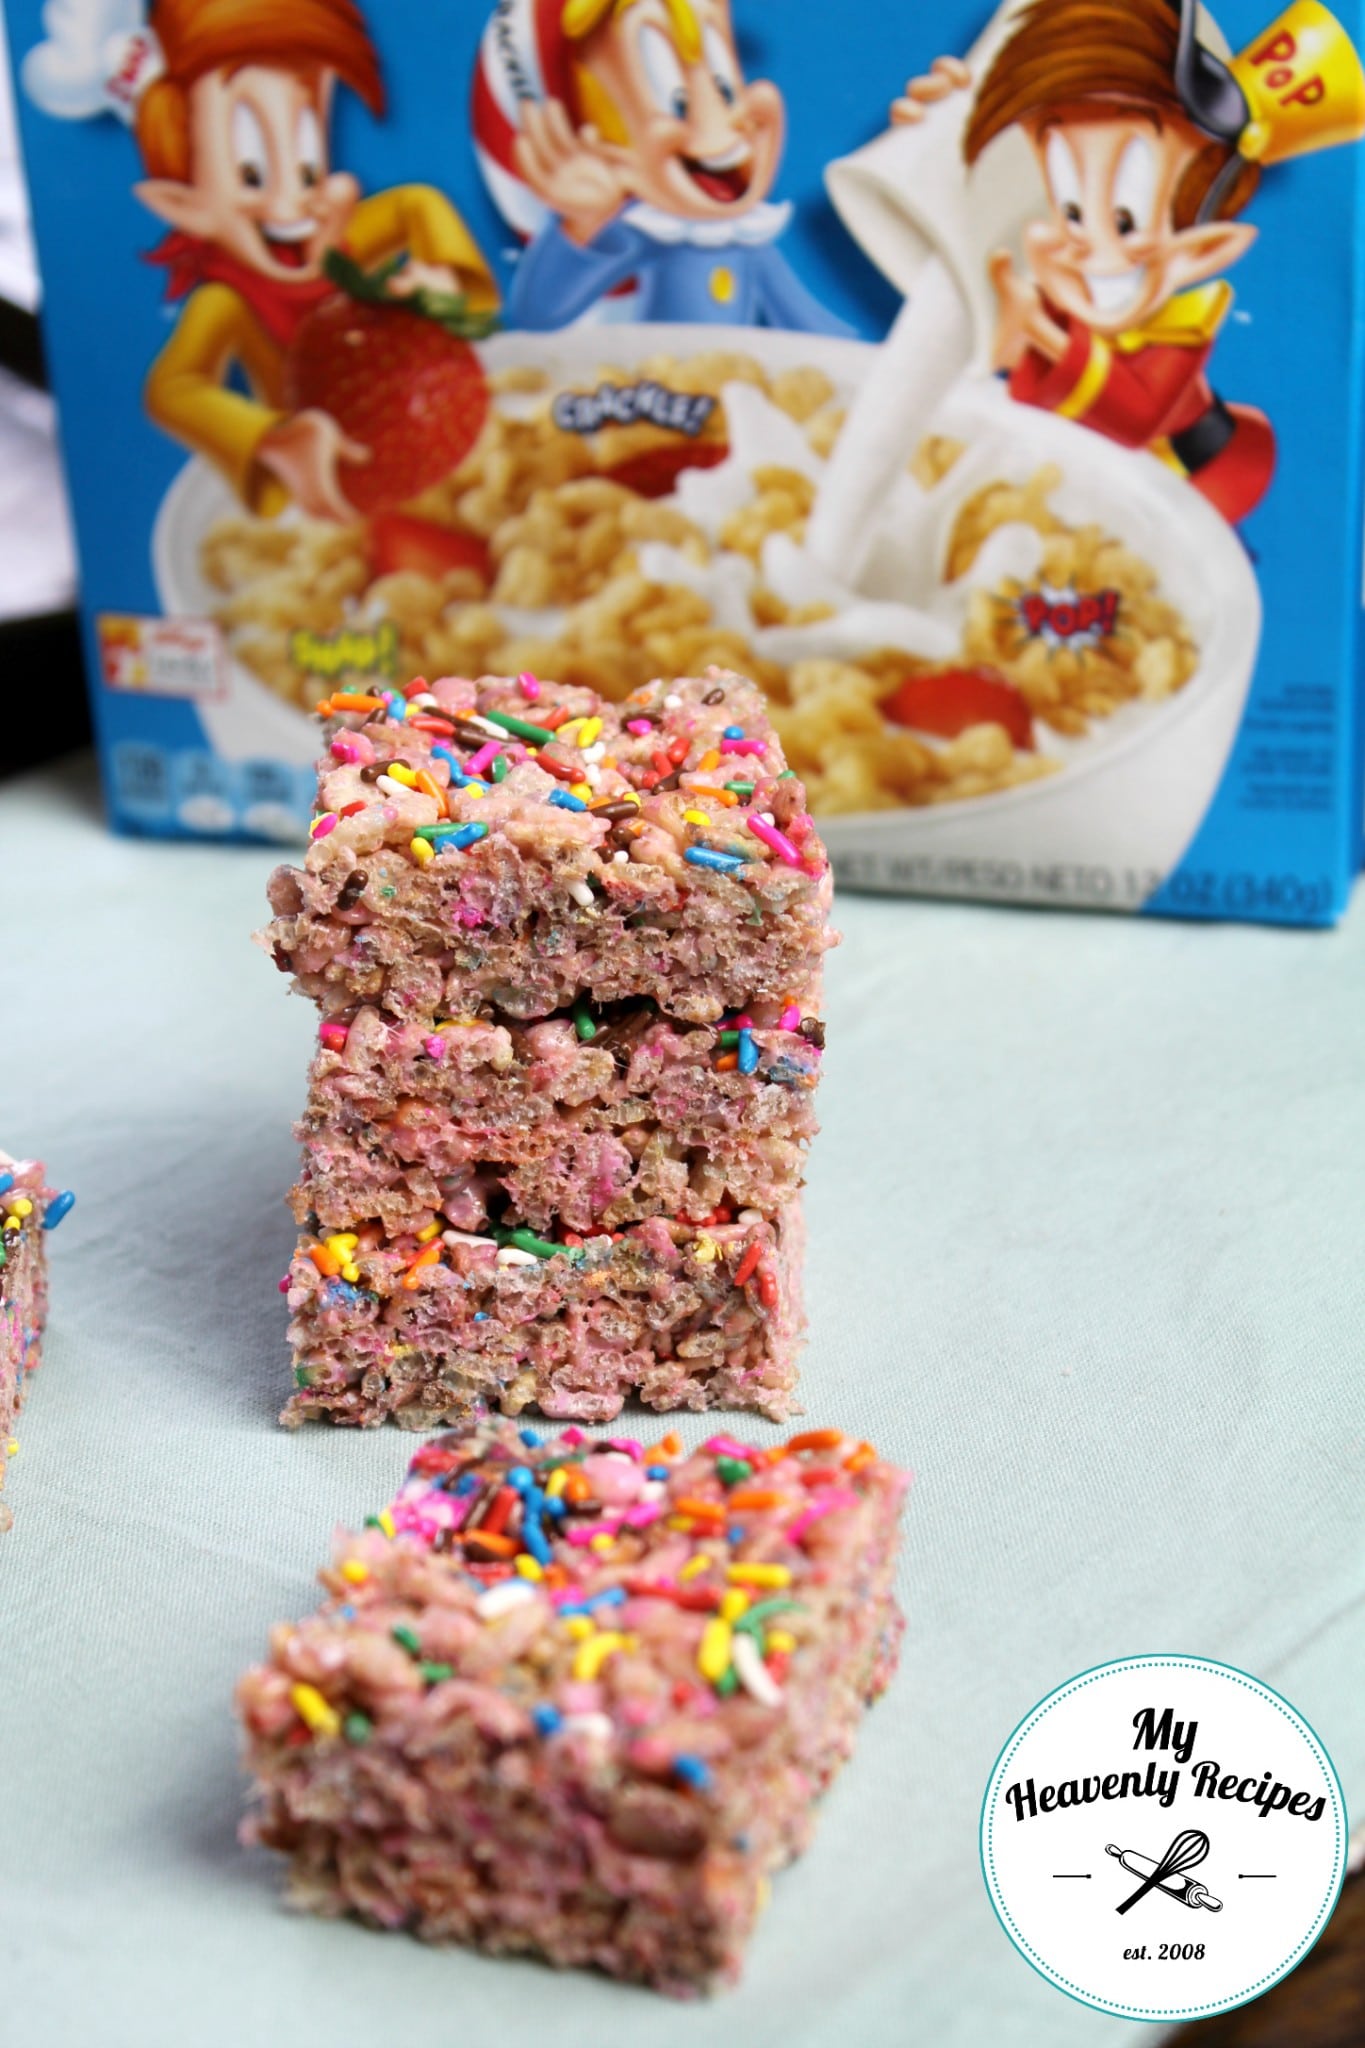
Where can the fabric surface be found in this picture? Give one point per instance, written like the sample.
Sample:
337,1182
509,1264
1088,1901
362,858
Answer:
1086,1227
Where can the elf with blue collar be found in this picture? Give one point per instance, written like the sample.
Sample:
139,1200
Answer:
665,179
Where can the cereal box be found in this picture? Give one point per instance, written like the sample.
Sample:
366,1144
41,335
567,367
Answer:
987,386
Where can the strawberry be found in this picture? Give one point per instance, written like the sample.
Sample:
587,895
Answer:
397,374
399,540
654,472
947,701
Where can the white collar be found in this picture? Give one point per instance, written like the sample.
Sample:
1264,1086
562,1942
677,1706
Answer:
762,223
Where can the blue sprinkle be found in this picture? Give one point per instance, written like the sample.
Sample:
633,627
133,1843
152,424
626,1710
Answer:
656,1471
556,1509
706,857
481,1315
548,1720
733,732
692,1771
529,1437
566,800
533,1539
466,1483
467,835
521,1476
610,1596
347,1612
60,1205
748,1052
6,1183
735,1533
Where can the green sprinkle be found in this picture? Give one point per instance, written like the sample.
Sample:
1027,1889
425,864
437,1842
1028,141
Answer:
730,1471
442,831
786,774
582,1021
434,1673
407,1639
739,788
300,1376
373,1522
754,1619
727,1682
729,1038
357,1728
519,727
539,1247
388,892
500,768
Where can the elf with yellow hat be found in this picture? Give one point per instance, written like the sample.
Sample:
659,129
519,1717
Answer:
1150,144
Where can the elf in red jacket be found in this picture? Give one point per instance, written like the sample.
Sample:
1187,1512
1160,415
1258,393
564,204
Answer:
1150,147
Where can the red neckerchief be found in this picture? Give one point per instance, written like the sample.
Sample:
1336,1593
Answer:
279,304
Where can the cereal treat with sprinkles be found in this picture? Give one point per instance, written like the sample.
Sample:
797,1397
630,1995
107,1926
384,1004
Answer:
577,1698
28,1209
568,957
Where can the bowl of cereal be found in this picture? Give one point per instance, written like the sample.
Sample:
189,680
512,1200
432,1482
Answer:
1043,630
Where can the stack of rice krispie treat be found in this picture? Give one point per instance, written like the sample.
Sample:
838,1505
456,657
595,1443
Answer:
567,958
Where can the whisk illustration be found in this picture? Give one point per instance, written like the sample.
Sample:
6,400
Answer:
1189,1848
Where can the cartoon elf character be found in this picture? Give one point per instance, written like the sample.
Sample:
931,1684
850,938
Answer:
1150,145
645,155
229,102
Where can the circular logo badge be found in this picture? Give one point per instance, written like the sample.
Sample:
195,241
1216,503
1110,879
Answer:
1163,1838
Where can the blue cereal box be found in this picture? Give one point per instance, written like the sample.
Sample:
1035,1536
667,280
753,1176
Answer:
987,386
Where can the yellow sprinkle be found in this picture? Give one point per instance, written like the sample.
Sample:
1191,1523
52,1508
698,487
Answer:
764,1894
385,1521
556,1483
12,1447
472,789
696,817
779,1640
570,725
13,1223
601,1543
733,1604
341,1241
427,1232
579,1628
581,789
398,773
354,1572
713,1658
588,731
759,1574
526,1567
679,1522
590,1656
22,1206
422,852
694,1565
313,1709
705,1250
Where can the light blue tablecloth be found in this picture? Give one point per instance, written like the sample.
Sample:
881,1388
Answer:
1086,1252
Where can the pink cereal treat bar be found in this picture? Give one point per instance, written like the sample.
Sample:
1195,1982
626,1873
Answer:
578,1698
568,960
29,1208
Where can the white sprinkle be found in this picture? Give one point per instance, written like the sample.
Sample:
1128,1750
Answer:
464,1237
423,697
592,775
581,893
752,1673
672,701
598,1726
390,787
595,753
495,732
749,1216
766,816
502,1599
619,859
510,1256
653,1489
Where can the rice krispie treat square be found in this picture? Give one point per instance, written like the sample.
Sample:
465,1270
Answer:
578,1698
29,1208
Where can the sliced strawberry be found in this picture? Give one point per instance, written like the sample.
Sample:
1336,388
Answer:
654,472
400,541
949,700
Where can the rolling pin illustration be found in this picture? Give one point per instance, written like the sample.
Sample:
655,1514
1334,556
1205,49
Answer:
1188,1890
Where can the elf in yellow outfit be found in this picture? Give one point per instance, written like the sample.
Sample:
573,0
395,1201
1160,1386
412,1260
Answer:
231,118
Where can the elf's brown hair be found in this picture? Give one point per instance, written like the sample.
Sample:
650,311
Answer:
196,36
1069,57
